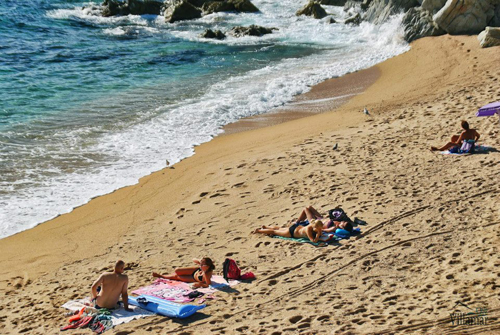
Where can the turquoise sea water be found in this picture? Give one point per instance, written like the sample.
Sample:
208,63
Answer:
90,104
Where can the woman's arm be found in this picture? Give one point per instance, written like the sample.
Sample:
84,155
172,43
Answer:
309,232
477,136
330,230
206,280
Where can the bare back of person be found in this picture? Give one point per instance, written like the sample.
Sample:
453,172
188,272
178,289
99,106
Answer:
112,284
111,288
469,134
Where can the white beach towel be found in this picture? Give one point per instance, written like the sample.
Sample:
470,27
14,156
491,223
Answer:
118,316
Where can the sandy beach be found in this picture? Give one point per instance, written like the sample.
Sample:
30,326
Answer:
433,220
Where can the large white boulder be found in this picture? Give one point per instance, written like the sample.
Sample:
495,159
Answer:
490,37
433,6
465,16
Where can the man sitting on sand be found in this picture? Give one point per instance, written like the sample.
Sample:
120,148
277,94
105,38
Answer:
463,143
112,285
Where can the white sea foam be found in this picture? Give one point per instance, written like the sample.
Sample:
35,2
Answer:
171,132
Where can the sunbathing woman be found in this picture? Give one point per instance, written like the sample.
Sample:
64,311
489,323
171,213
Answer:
468,135
329,226
311,230
200,276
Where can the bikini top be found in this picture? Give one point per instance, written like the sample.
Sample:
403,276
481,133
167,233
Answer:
200,276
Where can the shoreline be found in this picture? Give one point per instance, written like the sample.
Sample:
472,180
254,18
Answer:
323,97
426,215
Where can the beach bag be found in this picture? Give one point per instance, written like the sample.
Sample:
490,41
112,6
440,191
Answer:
467,147
338,214
230,269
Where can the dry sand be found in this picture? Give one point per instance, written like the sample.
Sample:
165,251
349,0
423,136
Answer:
432,239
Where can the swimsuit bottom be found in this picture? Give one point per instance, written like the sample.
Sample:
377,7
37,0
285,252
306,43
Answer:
295,225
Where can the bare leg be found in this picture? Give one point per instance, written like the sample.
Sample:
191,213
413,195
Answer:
308,213
448,145
270,227
315,212
279,232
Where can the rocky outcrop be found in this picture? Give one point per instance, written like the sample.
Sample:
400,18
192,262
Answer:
418,23
242,6
134,7
356,19
252,30
352,5
209,33
332,2
433,6
312,9
465,16
495,21
490,37
181,11
198,3
379,10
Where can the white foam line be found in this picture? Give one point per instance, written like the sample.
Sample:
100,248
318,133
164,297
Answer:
310,102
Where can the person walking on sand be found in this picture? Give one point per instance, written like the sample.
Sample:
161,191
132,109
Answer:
112,285
465,142
310,229
201,276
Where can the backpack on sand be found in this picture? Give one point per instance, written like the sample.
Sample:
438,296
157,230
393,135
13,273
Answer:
230,269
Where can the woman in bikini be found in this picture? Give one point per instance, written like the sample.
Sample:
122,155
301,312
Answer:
200,276
311,230
310,213
470,135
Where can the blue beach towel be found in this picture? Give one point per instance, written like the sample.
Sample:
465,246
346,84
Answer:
478,149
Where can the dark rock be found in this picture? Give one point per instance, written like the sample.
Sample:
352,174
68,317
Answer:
495,21
217,6
198,3
332,2
330,20
243,6
145,7
209,33
365,4
418,23
312,9
181,11
135,7
356,19
252,30
113,7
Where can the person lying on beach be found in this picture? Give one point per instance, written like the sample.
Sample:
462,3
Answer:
311,230
200,276
469,136
310,213
112,285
